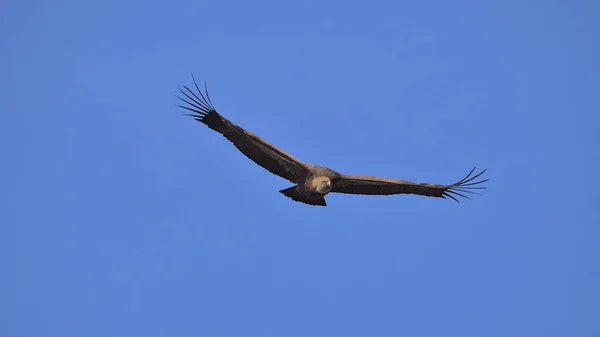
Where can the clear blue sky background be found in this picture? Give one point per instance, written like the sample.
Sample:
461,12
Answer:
120,217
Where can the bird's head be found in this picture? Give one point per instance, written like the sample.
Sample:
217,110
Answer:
323,185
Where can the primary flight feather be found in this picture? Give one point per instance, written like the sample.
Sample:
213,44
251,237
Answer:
313,182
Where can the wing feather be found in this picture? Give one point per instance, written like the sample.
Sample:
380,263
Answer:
255,148
385,186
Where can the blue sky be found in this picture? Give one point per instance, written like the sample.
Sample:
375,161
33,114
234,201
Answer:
120,217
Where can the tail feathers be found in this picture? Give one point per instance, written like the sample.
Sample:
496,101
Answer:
294,194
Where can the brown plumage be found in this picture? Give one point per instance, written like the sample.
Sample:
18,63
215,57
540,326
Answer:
314,182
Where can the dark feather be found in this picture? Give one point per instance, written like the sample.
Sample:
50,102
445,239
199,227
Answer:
255,148
296,195
385,186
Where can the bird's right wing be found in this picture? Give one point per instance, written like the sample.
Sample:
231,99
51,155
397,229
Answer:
255,148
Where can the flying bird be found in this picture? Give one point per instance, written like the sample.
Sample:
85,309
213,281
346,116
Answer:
313,182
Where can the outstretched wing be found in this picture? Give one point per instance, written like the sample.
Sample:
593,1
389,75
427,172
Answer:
384,186
257,149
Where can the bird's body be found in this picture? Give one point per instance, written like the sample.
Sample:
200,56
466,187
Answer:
313,182
312,186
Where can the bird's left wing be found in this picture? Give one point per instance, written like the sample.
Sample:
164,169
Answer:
385,186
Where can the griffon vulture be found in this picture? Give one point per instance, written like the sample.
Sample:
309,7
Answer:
313,182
